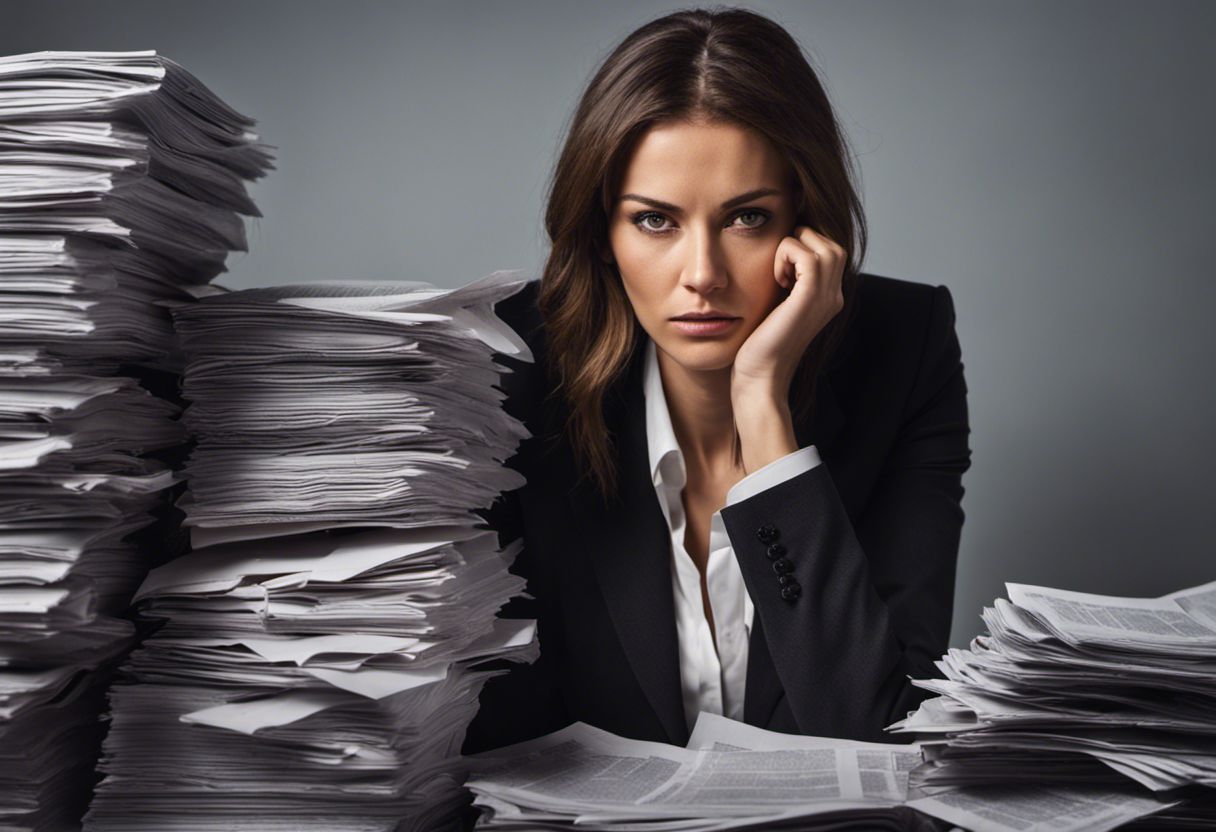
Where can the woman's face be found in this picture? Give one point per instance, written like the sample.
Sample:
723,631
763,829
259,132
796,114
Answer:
684,241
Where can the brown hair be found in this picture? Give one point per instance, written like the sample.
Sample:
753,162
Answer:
721,64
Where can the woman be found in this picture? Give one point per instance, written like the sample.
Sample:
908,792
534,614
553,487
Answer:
756,513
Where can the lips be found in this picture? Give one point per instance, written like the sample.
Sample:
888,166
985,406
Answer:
704,326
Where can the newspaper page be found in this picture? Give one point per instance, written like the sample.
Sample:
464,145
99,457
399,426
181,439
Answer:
580,767
871,770
1034,809
1199,602
1187,617
583,769
1024,809
733,774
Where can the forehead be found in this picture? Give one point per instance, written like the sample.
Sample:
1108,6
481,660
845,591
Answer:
684,161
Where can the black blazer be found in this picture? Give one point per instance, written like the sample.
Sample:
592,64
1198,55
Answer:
873,535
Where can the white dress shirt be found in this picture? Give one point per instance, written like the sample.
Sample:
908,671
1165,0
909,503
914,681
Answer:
712,680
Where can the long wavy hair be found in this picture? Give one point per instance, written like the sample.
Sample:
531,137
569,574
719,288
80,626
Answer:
721,64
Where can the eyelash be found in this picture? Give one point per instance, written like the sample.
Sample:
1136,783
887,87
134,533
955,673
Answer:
658,232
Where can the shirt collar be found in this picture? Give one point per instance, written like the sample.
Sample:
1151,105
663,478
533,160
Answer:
666,458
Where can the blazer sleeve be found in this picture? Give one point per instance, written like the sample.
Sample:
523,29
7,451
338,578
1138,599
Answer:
525,701
877,597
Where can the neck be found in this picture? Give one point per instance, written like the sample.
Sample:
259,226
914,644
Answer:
701,416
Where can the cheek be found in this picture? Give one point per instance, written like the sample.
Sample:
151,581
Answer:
635,288
645,304
762,289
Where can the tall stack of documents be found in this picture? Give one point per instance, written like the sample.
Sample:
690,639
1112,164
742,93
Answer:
1069,687
739,777
315,667
122,181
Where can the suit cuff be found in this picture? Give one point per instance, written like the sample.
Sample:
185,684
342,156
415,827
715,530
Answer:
777,471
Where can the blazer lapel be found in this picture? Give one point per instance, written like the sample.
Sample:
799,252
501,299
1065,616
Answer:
629,551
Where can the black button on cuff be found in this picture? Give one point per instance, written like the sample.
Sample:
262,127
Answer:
775,551
791,592
786,580
781,566
767,533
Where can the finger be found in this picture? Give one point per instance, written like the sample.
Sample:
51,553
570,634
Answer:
831,257
802,314
828,250
796,264
812,239
785,266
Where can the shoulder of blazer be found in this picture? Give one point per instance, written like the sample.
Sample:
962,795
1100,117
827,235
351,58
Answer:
897,307
887,334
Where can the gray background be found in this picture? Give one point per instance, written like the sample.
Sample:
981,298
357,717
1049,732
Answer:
1049,162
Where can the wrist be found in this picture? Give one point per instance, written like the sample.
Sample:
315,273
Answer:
766,431
758,396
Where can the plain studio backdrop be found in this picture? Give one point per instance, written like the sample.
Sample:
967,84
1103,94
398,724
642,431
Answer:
1049,162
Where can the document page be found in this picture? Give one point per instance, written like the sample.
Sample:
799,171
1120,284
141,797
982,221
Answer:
600,777
1183,619
867,770
1033,809
580,766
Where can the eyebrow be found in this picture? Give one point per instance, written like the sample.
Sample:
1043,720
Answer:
675,209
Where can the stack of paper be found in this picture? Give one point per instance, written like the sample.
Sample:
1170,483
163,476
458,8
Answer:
735,776
122,181
1068,687
315,666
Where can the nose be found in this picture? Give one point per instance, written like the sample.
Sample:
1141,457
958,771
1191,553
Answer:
705,270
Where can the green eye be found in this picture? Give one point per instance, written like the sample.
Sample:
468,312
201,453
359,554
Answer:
761,214
641,219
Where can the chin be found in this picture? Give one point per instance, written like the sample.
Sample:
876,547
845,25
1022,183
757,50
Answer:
704,355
